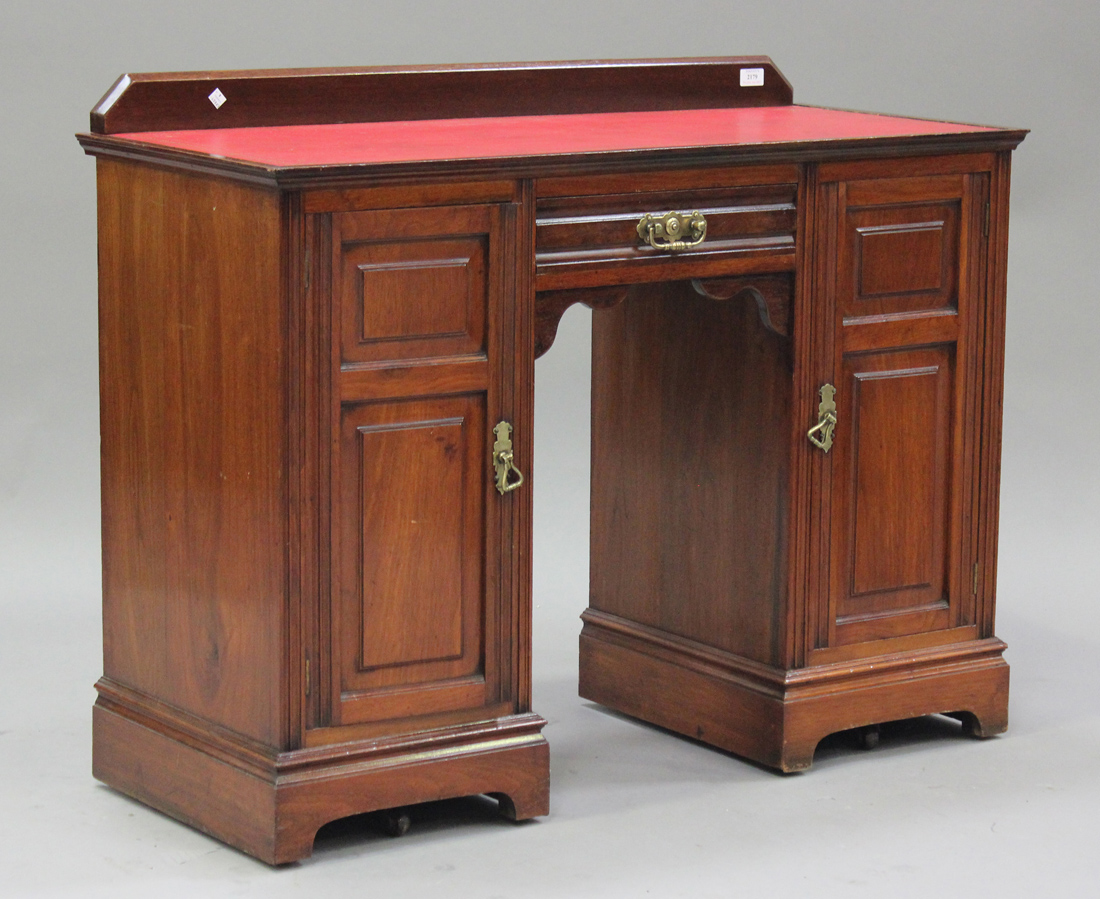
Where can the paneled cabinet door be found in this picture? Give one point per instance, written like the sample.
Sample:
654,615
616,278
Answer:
419,617
905,296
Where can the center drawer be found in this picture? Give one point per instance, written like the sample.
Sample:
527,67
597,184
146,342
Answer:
585,238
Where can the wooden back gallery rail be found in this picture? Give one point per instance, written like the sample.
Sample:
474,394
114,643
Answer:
321,297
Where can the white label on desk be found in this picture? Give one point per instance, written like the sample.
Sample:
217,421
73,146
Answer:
752,78
218,98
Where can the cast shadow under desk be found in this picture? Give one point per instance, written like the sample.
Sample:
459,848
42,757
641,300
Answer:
842,748
376,831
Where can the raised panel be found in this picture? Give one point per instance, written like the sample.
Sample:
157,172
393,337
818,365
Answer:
900,259
411,541
419,291
411,283
412,547
898,434
892,480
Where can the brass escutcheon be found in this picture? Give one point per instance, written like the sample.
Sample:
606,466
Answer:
507,476
821,434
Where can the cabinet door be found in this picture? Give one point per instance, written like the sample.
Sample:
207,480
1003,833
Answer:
904,305
419,615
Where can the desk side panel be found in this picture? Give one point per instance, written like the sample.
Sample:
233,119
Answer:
193,423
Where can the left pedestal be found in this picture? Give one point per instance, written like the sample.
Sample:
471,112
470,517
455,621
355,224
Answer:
316,603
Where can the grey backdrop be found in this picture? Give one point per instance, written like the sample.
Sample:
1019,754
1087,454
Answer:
634,809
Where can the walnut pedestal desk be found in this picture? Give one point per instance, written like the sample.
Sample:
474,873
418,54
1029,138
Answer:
321,297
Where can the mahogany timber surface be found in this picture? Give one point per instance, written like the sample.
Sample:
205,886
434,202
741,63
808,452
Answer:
668,366
778,717
273,809
907,303
592,240
194,504
143,102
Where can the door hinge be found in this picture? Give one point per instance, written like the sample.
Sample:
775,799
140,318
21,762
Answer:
307,678
307,274
985,223
974,581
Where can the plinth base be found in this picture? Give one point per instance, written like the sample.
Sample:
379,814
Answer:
778,717
271,805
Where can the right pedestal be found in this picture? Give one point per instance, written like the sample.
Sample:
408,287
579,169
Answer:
794,504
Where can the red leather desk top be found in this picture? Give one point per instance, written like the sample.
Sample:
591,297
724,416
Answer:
450,139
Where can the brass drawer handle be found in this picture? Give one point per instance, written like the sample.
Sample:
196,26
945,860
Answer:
826,420
508,477
673,230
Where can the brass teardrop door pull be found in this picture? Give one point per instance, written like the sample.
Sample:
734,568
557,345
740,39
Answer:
673,230
821,434
508,477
